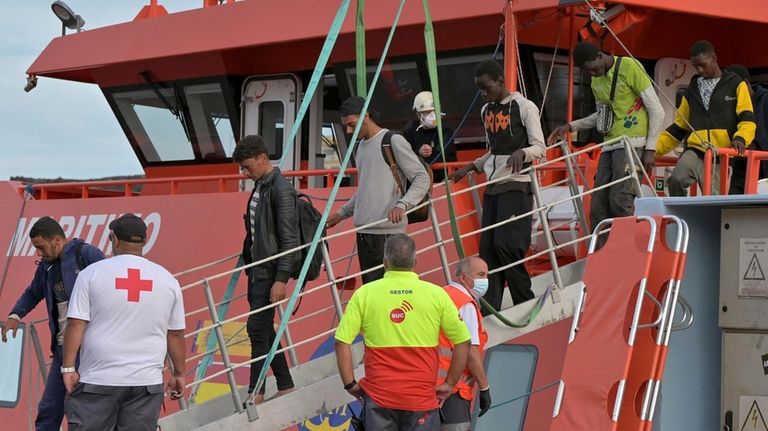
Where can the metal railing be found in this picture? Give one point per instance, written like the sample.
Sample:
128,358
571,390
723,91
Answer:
541,208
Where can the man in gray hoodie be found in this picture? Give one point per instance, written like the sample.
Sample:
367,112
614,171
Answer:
515,140
378,196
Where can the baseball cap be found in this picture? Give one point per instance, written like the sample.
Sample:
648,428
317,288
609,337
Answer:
129,228
352,106
424,102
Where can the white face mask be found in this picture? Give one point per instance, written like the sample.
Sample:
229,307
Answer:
429,121
480,286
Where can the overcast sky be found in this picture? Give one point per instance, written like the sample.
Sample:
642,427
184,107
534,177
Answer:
60,129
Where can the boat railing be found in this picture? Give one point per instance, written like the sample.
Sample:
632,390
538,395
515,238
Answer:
723,157
540,209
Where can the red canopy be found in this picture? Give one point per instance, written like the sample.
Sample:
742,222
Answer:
264,36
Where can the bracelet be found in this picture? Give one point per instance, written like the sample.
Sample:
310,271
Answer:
350,385
65,370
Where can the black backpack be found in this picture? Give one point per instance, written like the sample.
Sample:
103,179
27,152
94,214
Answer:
309,219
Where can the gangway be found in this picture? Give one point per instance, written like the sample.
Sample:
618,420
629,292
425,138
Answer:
557,291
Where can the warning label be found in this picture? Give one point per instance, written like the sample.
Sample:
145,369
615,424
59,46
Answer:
753,258
751,416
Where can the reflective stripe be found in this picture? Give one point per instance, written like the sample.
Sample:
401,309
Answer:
442,373
444,351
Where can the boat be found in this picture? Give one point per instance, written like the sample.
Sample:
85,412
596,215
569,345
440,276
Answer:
184,86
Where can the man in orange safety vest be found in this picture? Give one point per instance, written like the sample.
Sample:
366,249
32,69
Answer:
471,282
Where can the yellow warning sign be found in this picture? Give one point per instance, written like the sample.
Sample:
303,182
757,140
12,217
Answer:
753,261
752,418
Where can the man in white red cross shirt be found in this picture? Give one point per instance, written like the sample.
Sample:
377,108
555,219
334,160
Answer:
124,315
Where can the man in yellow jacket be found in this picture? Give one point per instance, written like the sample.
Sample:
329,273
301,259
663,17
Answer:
715,110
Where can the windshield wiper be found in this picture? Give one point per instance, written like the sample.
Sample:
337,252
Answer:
178,110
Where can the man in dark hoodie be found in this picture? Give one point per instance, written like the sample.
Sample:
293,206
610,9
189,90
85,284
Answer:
270,228
422,134
515,140
55,276
759,94
716,110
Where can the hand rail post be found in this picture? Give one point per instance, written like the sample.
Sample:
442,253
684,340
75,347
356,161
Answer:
222,346
547,232
332,280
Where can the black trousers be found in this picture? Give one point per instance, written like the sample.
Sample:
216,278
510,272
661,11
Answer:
738,176
506,244
261,331
370,253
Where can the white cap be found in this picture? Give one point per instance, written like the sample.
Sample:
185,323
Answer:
423,102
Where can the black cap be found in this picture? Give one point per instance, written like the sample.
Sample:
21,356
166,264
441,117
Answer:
352,106
129,228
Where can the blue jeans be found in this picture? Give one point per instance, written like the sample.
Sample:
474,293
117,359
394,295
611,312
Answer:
50,411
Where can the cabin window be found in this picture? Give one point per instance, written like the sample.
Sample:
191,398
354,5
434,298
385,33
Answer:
178,122
159,134
457,91
555,106
398,84
272,127
11,355
210,118
510,370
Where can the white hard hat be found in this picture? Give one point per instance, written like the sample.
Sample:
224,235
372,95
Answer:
423,102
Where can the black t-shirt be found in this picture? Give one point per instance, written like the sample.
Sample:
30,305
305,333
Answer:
60,297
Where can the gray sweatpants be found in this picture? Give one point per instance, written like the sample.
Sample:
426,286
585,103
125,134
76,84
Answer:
619,199
122,408
690,169
380,418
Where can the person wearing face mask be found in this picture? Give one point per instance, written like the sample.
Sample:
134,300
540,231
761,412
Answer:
471,282
421,133
54,280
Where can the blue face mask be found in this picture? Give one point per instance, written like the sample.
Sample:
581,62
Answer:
480,286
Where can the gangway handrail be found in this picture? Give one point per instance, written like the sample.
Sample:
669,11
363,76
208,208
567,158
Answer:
541,208
425,249
428,202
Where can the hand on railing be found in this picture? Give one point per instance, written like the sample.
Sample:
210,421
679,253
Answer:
333,220
10,325
462,172
648,160
557,133
739,145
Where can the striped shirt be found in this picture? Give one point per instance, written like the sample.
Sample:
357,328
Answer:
401,318
252,209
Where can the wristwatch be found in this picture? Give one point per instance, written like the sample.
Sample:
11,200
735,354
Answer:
65,370
350,385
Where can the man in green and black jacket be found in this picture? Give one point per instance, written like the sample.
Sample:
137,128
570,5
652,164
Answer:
716,109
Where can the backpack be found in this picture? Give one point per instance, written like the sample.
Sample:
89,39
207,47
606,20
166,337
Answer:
309,219
421,214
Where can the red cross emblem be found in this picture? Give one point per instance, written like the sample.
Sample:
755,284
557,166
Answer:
133,284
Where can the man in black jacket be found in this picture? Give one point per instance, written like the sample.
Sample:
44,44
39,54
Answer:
422,134
271,227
